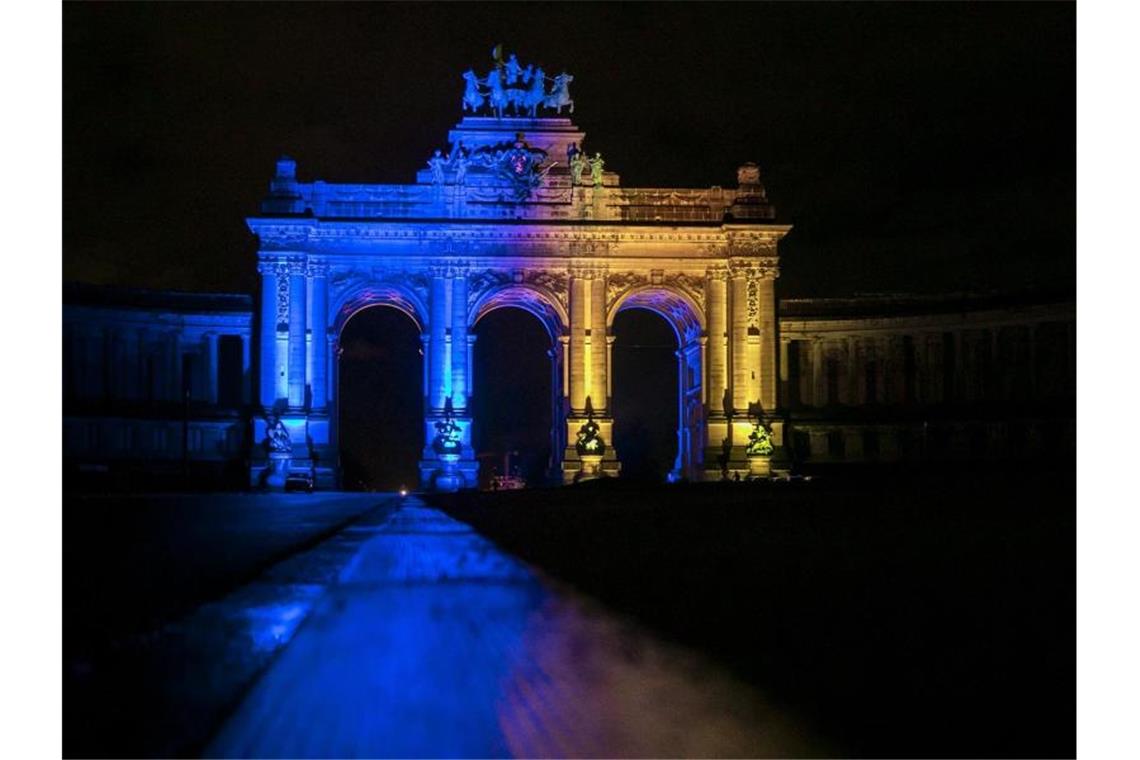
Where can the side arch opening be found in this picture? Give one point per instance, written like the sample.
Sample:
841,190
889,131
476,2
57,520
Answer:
657,375
378,388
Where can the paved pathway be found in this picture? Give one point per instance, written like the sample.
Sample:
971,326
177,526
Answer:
435,643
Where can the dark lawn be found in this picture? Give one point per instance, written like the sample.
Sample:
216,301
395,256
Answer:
133,562
908,613
150,663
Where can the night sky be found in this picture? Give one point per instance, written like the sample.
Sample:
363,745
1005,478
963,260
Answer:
915,147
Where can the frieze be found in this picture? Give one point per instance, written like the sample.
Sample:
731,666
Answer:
588,248
751,244
282,236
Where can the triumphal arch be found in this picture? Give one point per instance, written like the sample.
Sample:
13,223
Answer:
517,209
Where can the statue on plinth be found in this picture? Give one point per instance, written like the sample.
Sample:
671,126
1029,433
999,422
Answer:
509,84
596,166
759,441
577,166
536,95
589,439
560,93
448,434
461,170
512,69
277,437
437,163
472,97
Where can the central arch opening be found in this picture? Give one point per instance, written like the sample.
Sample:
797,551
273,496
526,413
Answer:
380,400
512,403
645,394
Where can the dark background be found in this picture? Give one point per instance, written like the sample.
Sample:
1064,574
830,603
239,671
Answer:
914,147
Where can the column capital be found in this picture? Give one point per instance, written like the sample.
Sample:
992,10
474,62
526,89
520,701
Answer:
588,270
717,272
457,268
297,267
318,268
753,269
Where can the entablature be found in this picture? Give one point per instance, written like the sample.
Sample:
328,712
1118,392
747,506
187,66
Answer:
421,239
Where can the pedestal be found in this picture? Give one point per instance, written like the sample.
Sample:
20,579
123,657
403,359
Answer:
591,467
760,466
278,470
447,477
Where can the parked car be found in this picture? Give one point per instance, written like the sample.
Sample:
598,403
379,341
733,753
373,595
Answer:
507,483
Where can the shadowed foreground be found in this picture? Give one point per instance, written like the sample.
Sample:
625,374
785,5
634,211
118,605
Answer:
436,644
905,613
174,603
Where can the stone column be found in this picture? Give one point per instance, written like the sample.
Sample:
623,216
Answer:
438,382
173,354
297,337
564,349
578,317
609,367
246,366
1031,339
958,388
131,361
211,371
459,344
818,387
557,423
470,366
716,290
740,370
318,273
766,313
599,347
921,393
852,375
1071,357
785,374
425,340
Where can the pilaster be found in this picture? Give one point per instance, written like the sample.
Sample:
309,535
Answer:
716,297
318,277
297,334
